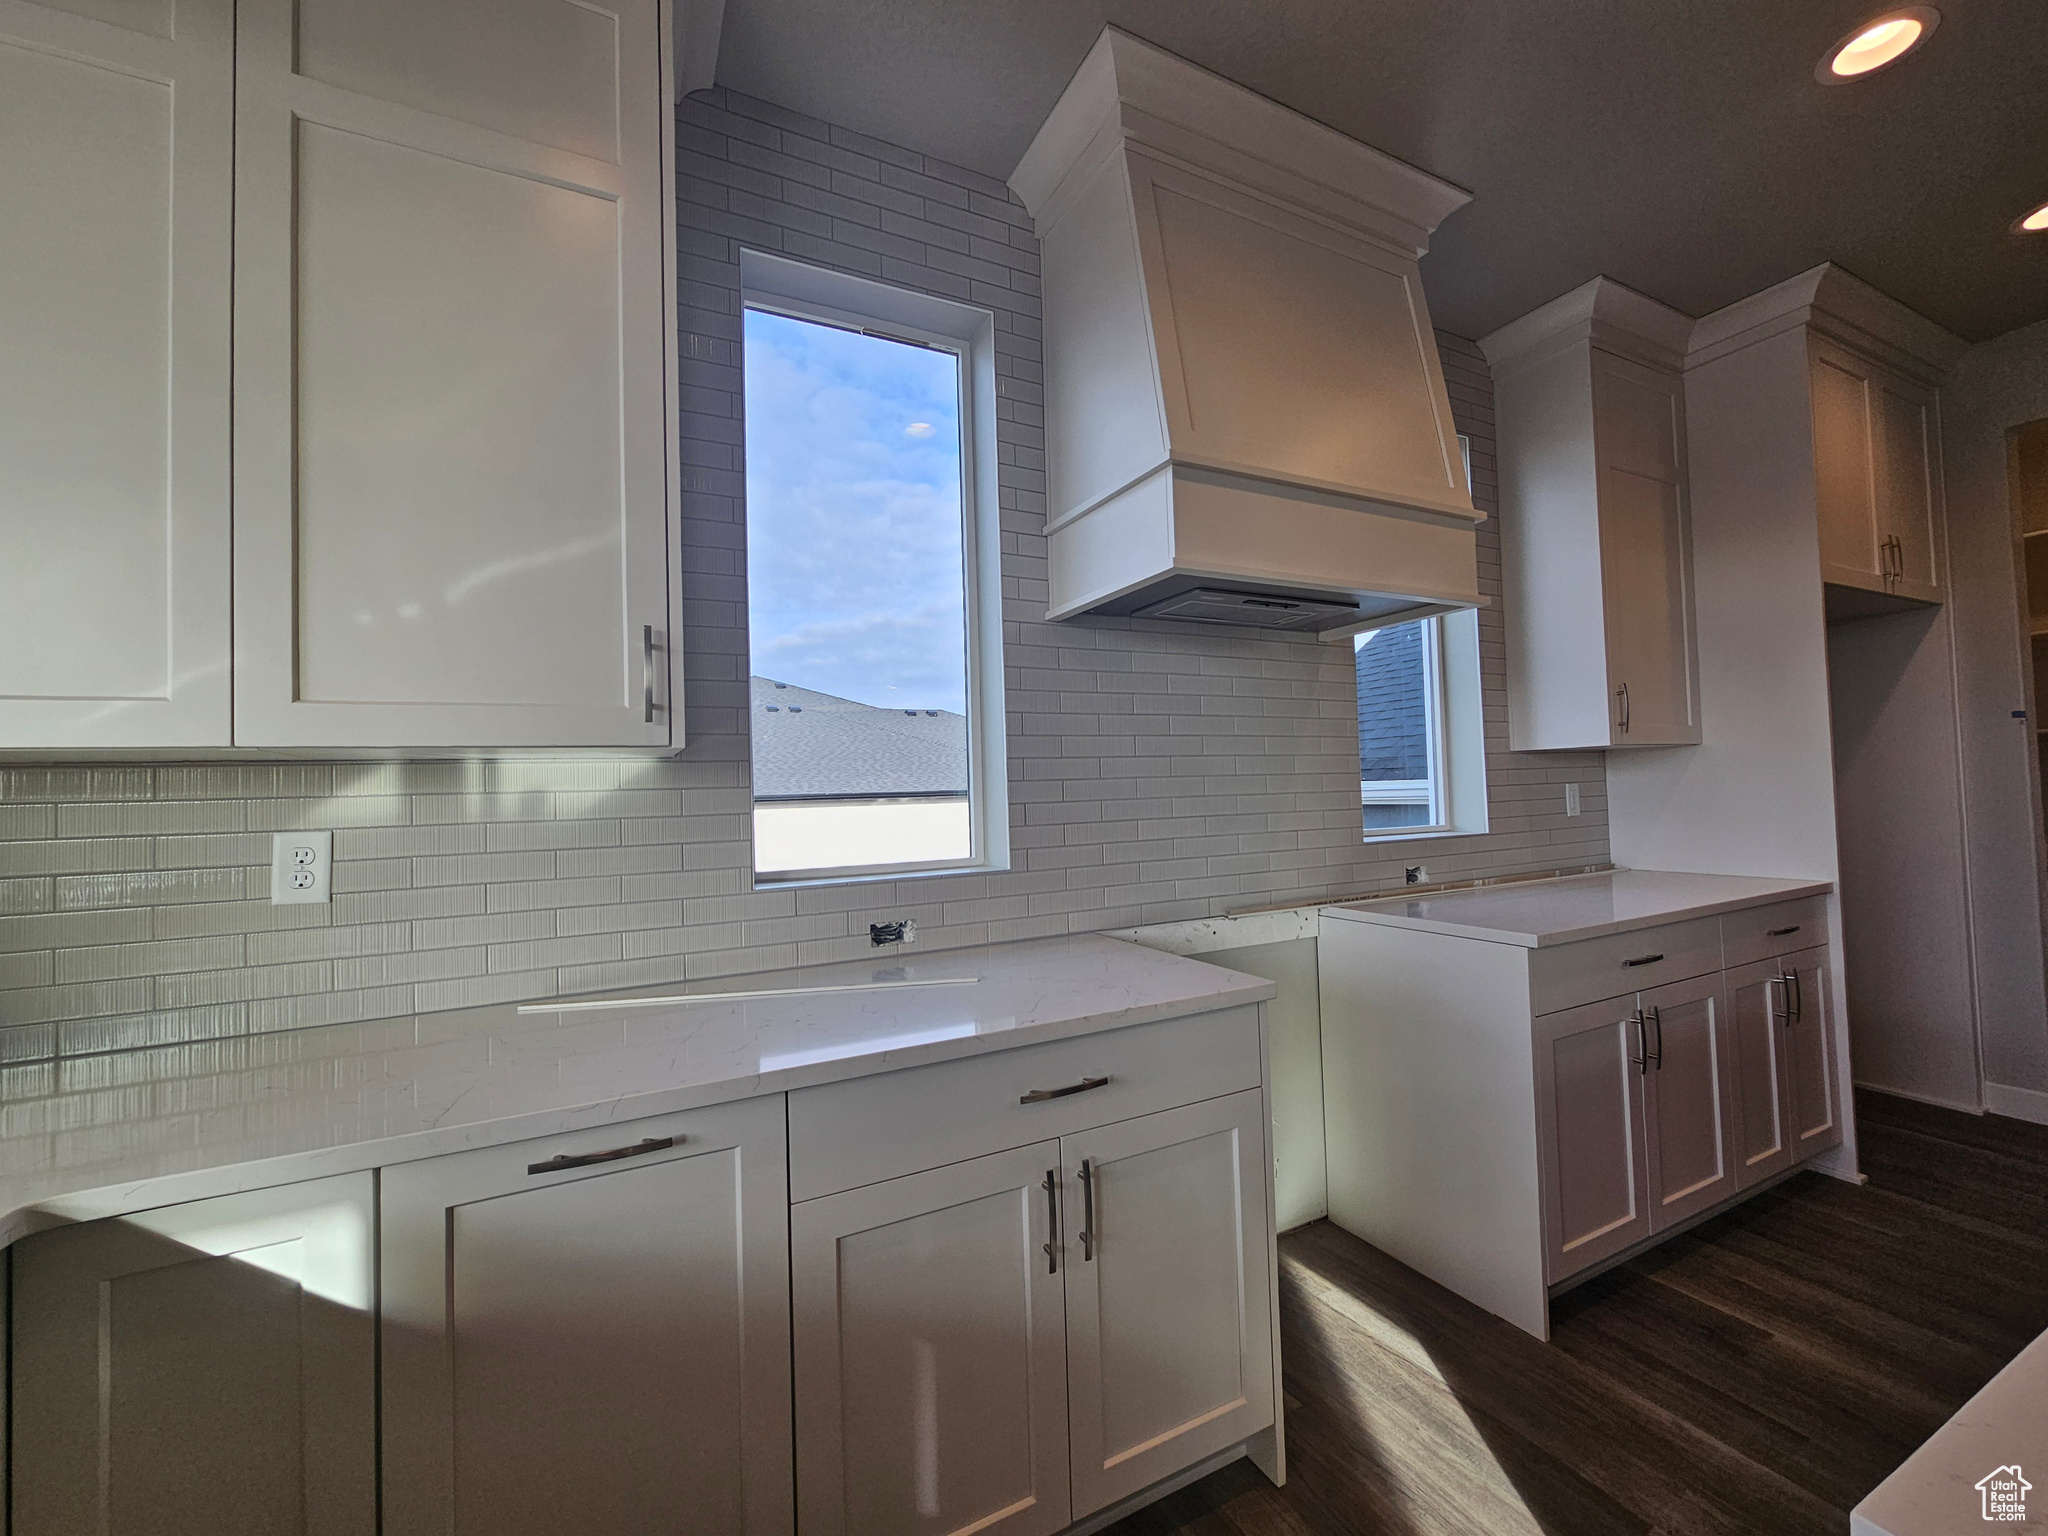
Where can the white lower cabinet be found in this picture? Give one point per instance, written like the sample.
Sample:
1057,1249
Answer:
599,1332
206,1369
931,1373
1785,1062
1643,1115
590,1333
1020,1340
1810,1070
1589,1119
1763,1137
1688,1100
1667,1069
1169,1338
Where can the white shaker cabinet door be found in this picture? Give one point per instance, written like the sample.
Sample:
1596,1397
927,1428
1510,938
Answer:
206,1369
1645,553
1877,465
115,260
1905,434
1169,1327
589,1333
1811,1070
1688,1100
1589,1128
1763,1119
452,365
930,1352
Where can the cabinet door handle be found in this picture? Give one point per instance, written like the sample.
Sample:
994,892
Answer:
1052,1221
1641,1060
1779,933
585,1159
1795,1005
1087,1212
1642,960
1086,1085
647,671
1621,707
1657,1018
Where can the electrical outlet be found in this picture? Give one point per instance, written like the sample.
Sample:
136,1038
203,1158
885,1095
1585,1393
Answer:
902,931
1571,799
1415,874
301,864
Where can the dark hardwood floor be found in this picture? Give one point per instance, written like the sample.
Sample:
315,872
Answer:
1755,1376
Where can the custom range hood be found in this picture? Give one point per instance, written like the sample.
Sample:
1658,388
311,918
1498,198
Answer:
1244,407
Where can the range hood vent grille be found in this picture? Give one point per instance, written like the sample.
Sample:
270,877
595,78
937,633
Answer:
1259,610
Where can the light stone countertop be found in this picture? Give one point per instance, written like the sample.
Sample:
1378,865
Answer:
1543,912
107,1135
1940,1489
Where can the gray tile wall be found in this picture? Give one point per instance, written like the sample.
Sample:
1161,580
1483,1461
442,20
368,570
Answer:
1156,772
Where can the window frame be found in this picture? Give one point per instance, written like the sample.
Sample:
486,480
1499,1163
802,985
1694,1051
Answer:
1435,706
1457,727
777,285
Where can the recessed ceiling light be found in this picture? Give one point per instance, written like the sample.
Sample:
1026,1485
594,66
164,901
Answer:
2034,223
1879,41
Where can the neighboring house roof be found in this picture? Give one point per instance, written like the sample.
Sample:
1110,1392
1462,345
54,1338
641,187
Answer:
1393,724
815,746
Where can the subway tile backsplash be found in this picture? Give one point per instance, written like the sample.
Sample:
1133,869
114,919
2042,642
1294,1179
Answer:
1156,772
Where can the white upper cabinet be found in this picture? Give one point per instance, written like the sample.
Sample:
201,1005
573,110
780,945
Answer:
450,403
1596,539
1868,378
1242,384
412,259
115,261
1877,475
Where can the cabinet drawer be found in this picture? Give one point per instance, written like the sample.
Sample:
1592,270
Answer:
1757,933
844,1135
1621,963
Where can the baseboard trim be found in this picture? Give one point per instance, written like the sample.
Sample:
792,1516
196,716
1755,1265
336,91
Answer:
1928,1098
2016,1103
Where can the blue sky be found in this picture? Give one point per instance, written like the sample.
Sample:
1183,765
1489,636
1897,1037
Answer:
853,515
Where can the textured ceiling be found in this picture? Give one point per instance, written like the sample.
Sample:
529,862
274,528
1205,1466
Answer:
1679,146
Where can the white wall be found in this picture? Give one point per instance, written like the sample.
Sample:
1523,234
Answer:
1998,386
1899,824
1757,796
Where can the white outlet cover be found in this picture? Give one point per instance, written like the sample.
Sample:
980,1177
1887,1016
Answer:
1571,799
301,867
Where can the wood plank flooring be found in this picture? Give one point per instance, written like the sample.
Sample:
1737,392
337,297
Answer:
1755,1376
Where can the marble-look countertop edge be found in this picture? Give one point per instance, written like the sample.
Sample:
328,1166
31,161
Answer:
1791,891
126,1197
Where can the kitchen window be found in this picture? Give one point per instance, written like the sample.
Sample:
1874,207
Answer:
873,599
1421,749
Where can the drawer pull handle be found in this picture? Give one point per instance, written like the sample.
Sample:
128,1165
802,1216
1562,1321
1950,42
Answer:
1643,960
1052,1221
1040,1095
1087,1212
1779,933
585,1159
